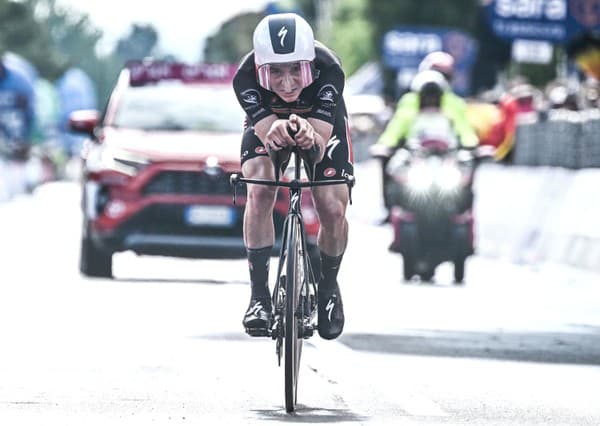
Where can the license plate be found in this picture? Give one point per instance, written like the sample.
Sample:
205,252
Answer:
222,216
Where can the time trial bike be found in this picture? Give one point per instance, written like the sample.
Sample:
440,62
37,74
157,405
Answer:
294,296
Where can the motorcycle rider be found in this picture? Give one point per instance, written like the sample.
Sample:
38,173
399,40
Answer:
435,73
291,81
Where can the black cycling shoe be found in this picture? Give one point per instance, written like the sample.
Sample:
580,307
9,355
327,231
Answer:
259,317
331,313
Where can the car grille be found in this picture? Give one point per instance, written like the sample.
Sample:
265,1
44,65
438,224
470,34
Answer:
187,182
168,219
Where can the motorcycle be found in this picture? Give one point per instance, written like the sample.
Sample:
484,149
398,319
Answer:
429,189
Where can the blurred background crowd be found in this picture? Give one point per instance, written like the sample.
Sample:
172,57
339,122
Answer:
529,71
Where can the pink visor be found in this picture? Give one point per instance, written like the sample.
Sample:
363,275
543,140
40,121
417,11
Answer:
306,75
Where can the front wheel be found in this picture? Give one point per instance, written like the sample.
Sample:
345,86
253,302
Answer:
92,261
293,316
408,267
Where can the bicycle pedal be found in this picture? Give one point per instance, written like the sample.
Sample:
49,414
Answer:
258,332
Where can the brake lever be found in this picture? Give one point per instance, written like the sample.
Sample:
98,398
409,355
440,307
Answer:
233,181
350,181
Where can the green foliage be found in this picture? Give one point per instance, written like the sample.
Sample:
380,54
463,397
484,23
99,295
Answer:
233,40
385,15
139,44
352,37
22,34
54,39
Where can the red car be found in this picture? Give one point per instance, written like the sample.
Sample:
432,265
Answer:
156,168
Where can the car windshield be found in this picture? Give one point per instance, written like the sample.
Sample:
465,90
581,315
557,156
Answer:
176,106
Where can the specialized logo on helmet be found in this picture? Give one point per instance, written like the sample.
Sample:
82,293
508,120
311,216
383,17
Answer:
251,96
330,172
282,31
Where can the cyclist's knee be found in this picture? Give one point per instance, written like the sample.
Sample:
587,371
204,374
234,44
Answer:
332,212
261,195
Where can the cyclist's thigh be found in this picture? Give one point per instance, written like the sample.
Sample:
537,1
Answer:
337,163
329,197
256,163
258,168
338,160
252,147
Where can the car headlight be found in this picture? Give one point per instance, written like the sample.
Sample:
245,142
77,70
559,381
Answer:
123,161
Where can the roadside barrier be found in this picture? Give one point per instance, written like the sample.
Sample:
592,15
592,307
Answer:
562,138
533,215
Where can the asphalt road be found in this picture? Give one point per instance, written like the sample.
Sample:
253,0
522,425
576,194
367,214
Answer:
163,343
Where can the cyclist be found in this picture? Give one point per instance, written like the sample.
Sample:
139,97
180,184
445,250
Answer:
289,80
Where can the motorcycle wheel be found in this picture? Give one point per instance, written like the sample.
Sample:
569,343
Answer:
459,271
408,268
427,276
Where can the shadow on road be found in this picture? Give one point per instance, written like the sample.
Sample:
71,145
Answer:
202,281
306,414
580,347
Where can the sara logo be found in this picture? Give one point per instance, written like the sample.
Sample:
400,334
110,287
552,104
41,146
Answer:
329,172
586,12
327,93
251,96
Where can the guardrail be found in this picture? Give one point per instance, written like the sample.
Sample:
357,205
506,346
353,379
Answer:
569,139
538,214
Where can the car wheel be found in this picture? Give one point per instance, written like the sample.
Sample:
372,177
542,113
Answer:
94,262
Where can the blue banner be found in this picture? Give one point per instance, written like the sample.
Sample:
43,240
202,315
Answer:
557,21
405,47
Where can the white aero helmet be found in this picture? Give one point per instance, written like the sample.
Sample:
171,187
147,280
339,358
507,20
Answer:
282,38
429,80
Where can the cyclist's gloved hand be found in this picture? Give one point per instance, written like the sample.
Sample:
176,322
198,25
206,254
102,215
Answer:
278,136
304,133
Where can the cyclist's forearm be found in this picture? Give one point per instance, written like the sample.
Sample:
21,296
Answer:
263,126
323,132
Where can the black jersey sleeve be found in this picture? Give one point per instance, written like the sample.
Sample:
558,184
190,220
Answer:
328,94
248,92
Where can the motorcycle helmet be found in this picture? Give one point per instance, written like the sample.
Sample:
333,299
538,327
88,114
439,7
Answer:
439,61
283,38
430,85
429,80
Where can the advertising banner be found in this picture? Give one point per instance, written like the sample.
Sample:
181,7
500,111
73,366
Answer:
556,21
404,47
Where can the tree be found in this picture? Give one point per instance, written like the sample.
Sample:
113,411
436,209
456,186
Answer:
352,37
138,44
23,34
232,40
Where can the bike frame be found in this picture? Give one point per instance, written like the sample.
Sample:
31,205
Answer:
289,295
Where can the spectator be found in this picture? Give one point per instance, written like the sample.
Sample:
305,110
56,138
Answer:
16,112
